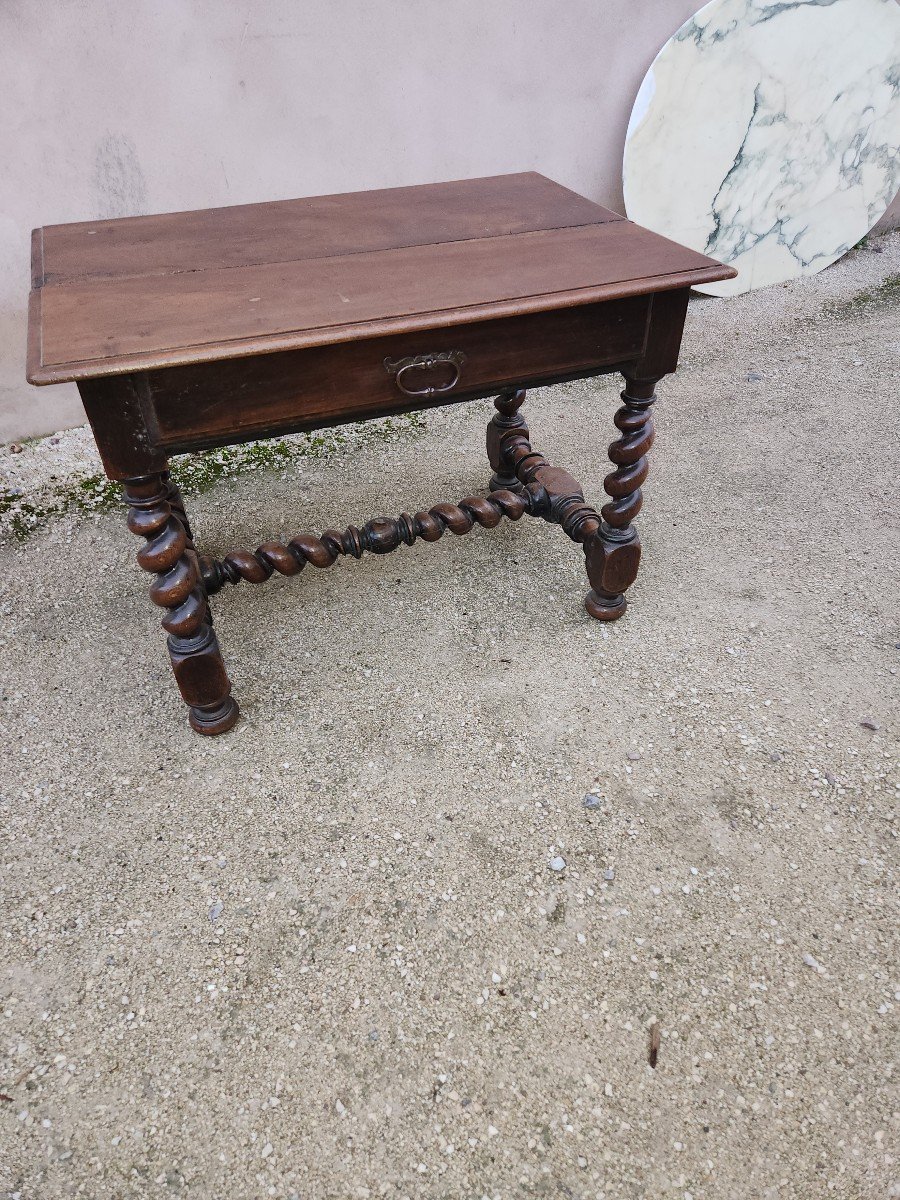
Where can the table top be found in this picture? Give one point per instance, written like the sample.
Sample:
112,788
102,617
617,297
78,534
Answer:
111,297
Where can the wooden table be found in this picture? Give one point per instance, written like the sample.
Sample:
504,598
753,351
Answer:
199,329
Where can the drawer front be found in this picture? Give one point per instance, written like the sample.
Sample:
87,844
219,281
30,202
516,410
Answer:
212,403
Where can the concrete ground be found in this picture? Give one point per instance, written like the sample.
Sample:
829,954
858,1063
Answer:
326,956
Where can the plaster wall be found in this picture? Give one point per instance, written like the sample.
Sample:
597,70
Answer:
112,109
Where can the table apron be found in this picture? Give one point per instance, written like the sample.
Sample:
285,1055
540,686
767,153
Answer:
216,403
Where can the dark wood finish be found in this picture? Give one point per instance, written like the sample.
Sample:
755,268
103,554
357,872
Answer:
162,291
125,429
558,496
666,324
204,405
155,513
378,536
611,545
536,488
192,330
247,235
614,555
507,419
135,323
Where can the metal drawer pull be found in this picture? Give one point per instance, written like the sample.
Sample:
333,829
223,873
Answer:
424,362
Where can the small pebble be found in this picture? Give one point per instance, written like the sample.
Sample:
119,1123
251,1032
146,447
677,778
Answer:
633,755
813,963
557,863
868,724
609,874
215,910
15,448
591,801
754,377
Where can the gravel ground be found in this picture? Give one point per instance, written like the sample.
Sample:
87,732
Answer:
330,955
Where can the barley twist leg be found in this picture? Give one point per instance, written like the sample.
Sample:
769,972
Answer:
169,554
614,553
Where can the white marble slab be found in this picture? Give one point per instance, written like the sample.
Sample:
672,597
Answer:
767,134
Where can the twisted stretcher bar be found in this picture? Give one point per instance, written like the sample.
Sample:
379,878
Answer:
524,482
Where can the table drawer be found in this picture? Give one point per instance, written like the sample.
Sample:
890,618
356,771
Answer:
261,396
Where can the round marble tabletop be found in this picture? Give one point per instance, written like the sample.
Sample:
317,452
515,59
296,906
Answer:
767,134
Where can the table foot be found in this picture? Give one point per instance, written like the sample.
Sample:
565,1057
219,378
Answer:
216,719
605,608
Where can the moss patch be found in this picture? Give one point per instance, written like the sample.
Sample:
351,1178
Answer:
886,293
21,515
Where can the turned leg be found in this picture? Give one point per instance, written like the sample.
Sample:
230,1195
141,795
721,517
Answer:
173,495
176,503
156,512
506,420
614,551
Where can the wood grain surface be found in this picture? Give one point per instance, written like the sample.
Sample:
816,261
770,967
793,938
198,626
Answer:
141,293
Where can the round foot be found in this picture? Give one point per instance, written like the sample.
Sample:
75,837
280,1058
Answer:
215,719
604,608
